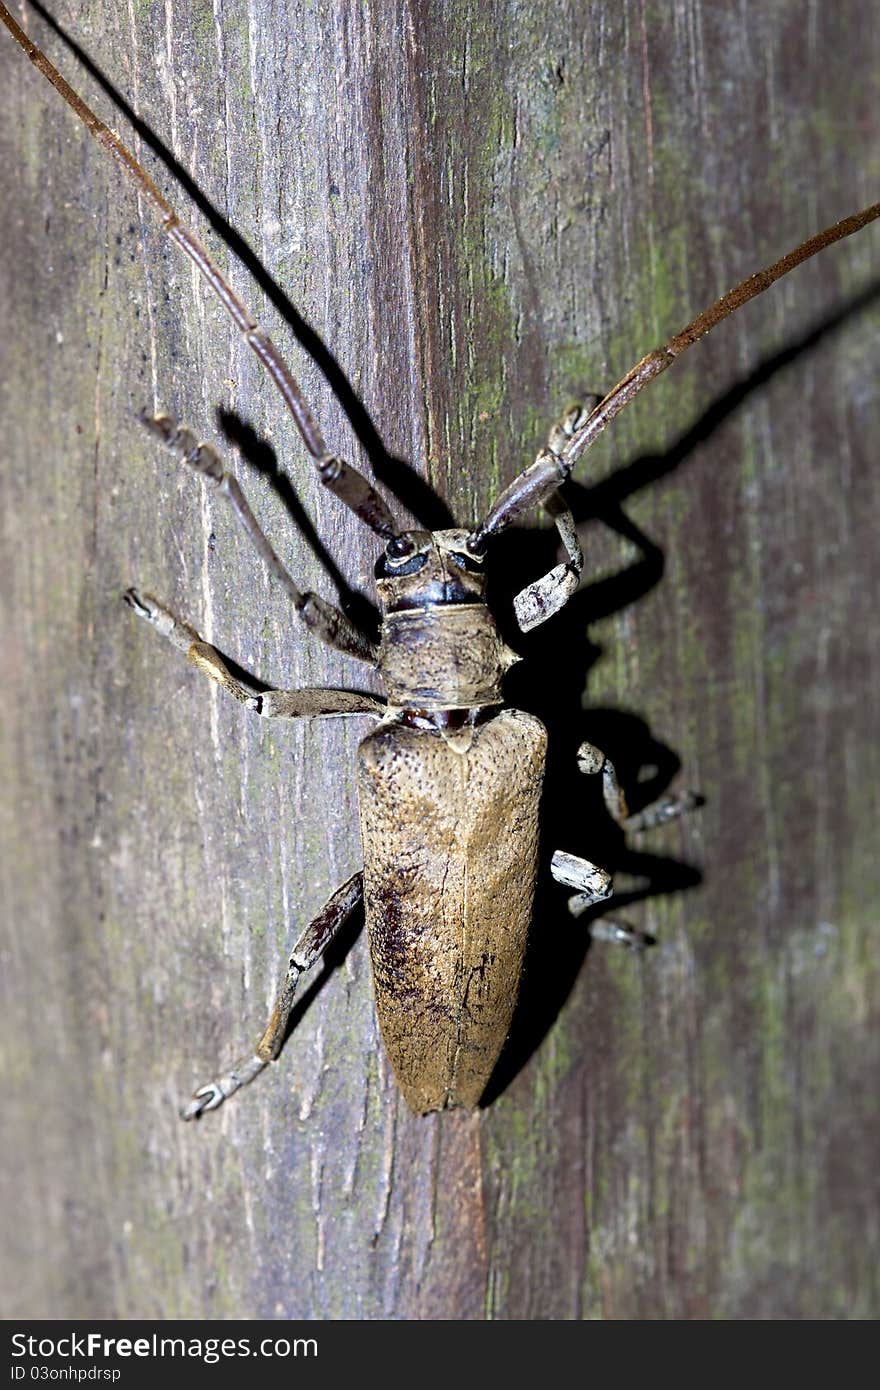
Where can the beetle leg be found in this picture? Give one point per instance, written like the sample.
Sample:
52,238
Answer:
591,760
539,601
308,949
592,883
271,704
619,933
568,869
327,622
667,808
594,886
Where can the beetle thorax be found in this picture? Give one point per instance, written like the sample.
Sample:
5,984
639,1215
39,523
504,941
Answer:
440,647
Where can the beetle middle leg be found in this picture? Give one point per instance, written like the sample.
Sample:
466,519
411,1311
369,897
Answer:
270,704
593,884
309,948
592,760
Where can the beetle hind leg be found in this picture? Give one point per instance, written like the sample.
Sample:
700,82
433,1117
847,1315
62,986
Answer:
592,884
595,885
308,949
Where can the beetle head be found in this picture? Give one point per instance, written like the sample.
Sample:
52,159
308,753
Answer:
422,569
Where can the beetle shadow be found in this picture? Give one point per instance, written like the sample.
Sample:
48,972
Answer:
573,812
574,817
261,456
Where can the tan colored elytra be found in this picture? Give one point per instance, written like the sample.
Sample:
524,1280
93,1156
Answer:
449,790
449,782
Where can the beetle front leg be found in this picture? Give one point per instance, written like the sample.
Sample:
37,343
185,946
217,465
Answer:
270,704
540,600
308,949
322,618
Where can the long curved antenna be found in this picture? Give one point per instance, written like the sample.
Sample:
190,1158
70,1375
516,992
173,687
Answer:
339,477
551,468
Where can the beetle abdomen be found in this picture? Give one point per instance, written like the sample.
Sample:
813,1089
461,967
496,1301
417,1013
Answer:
450,835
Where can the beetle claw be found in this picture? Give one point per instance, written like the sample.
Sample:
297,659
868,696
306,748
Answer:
207,1098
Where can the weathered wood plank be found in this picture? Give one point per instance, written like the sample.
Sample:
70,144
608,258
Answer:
481,210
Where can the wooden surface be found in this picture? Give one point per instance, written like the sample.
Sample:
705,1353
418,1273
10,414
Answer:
480,210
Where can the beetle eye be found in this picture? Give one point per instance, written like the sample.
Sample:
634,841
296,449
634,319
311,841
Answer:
471,563
392,567
399,547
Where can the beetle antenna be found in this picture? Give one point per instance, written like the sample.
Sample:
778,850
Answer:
551,468
341,478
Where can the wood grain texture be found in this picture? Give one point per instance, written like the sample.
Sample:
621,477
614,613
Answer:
482,209
449,828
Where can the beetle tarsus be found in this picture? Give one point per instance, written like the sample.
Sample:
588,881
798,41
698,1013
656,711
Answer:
211,1096
666,809
618,933
208,1098
179,634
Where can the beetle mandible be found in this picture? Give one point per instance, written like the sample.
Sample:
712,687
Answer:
449,781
